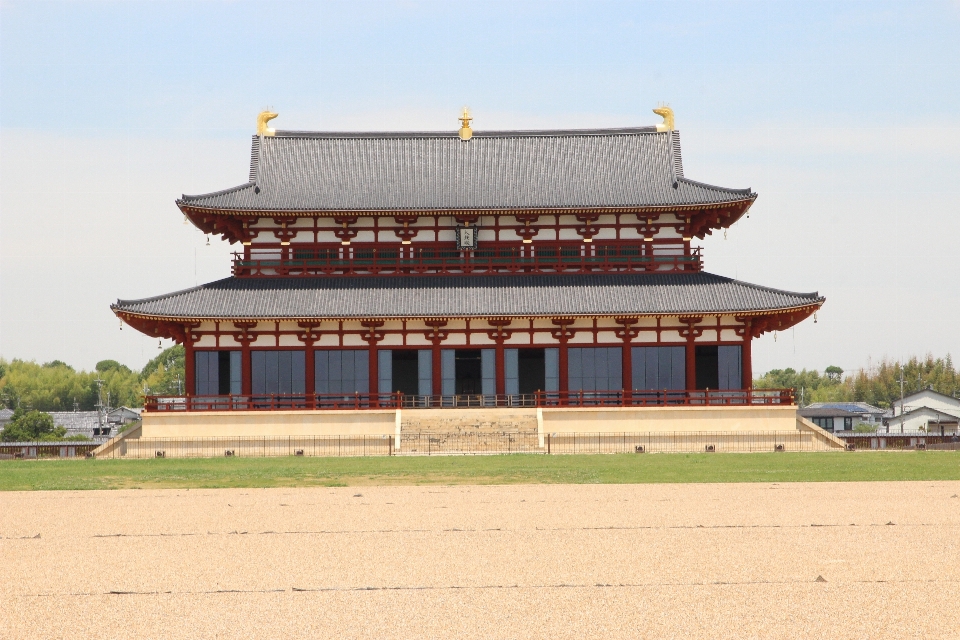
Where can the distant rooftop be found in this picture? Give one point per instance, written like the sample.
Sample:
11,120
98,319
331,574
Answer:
852,407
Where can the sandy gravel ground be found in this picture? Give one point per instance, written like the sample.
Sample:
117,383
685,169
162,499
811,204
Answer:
852,560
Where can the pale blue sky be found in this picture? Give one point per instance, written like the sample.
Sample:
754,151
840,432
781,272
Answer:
842,115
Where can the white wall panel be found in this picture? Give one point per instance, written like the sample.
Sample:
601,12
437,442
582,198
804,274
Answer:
206,341
264,340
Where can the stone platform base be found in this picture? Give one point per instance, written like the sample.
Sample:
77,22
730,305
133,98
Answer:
474,430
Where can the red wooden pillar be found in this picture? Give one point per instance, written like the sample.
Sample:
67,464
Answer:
563,364
372,336
746,361
189,368
627,370
501,388
691,333
436,335
245,336
562,334
310,383
627,333
437,370
500,334
373,372
246,369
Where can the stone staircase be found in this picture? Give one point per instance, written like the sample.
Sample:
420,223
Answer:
468,421
481,430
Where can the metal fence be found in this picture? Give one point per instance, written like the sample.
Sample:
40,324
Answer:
252,447
680,442
30,450
883,440
430,443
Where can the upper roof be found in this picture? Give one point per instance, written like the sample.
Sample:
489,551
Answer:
469,296
495,170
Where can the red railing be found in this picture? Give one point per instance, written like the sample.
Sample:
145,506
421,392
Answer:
732,397
549,258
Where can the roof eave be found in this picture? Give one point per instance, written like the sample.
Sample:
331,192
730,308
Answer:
660,208
810,307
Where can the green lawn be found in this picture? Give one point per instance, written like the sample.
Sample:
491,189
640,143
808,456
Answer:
507,469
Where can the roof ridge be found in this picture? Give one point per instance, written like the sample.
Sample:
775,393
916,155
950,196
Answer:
492,133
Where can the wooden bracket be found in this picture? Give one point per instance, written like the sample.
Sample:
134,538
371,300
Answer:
284,233
244,336
588,229
372,335
436,335
500,333
627,331
406,233
563,332
526,231
345,233
691,331
310,333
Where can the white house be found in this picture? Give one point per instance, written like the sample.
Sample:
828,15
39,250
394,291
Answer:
925,410
859,411
830,417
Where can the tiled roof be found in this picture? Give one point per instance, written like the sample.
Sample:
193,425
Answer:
495,170
468,296
826,412
76,420
852,407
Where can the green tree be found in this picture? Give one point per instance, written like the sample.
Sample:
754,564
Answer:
165,374
56,386
110,365
878,384
33,425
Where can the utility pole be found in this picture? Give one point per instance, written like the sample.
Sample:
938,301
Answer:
901,400
101,414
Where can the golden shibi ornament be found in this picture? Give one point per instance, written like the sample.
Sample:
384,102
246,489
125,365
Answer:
465,132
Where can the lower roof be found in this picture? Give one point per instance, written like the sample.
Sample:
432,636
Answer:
468,296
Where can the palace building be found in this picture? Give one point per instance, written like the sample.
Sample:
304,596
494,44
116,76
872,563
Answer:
464,269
